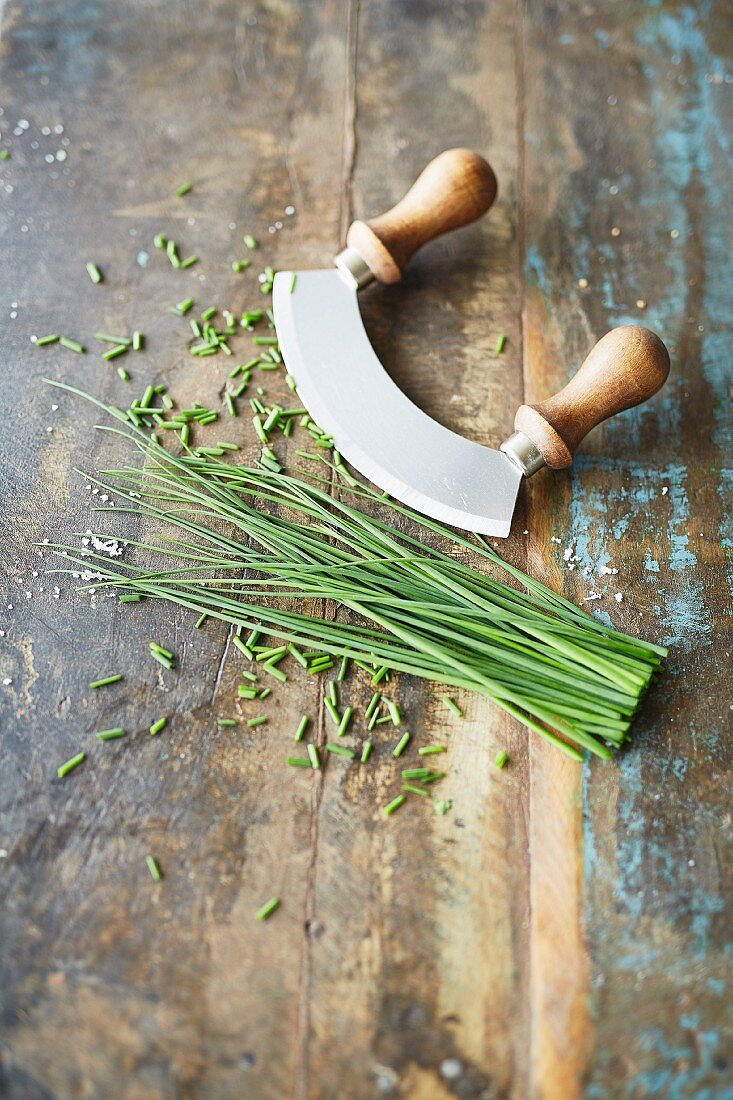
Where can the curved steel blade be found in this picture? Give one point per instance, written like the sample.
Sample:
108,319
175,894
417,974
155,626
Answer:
374,425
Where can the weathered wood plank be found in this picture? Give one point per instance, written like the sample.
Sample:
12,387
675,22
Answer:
420,946
626,174
174,990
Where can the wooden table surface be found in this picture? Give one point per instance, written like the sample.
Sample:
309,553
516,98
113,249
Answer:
565,931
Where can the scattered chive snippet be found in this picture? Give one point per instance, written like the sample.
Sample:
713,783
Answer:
501,759
251,242
114,679
253,723
298,762
452,706
314,757
72,345
111,735
431,750
401,744
71,764
442,806
268,909
293,282
302,727
42,341
500,344
227,722
345,721
395,804
340,750
94,273
366,752
184,189
154,867
158,726
415,790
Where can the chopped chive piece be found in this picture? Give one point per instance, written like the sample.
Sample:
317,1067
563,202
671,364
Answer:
137,340
240,265
94,273
401,744
189,262
302,727
501,759
415,790
172,252
72,345
366,752
452,706
113,353
160,241
268,909
395,804
293,281
5,154
340,750
276,673
253,723
158,726
333,692
442,806
433,777
379,675
394,712
209,313
343,669
416,773
130,597
265,341
123,374
332,711
243,648
345,720
374,703
245,692
154,867
227,722
43,340
159,649
107,680
166,662
71,764
298,762
500,343
183,307
430,750
229,401
251,243
110,735
147,397
201,620
184,189
314,757
185,433
295,652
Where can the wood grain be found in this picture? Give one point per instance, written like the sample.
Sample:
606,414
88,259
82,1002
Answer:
565,931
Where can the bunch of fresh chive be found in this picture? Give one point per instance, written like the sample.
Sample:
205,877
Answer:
249,545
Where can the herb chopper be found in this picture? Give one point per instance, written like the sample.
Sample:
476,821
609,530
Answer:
377,428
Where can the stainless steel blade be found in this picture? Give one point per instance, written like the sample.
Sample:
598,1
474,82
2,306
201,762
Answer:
374,425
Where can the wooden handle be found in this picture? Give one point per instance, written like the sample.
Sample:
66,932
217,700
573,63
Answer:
454,190
627,366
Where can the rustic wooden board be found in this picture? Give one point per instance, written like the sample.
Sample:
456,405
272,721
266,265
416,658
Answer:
565,931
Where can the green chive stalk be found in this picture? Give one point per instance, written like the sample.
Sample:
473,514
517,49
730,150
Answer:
256,547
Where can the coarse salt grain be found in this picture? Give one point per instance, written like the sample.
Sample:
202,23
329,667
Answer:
618,597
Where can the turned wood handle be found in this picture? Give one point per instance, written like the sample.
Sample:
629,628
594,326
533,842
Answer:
626,367
454,190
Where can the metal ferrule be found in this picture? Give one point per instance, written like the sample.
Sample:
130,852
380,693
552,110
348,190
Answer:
354,269
523,453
